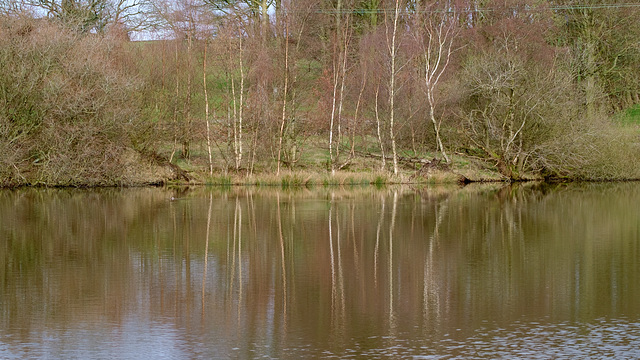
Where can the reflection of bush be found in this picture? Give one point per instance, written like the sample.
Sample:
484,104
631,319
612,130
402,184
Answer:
67,109
485,251
70,250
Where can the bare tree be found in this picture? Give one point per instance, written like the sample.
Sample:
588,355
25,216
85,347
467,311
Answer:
379,131
206,106
187,21
256,10
131,13
435,31
516,107
13,7
80,15
339,70
238,105
284,90
90,15
393,53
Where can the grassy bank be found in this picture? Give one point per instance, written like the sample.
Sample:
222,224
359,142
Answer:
360,170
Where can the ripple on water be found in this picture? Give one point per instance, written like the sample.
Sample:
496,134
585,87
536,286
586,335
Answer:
604,338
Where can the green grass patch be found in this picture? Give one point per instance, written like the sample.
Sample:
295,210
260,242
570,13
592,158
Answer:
219,180
630,116
380,181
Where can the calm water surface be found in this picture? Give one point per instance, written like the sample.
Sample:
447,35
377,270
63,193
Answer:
486,271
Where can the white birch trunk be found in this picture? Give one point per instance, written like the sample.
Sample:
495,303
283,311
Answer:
284,94
392,85
206,107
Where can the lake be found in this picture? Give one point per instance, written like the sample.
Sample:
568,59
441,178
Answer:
481,271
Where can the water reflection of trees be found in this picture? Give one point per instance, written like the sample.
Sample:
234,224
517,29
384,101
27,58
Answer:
265,269
61,253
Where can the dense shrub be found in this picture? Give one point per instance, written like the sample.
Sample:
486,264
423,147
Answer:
67,106
524,115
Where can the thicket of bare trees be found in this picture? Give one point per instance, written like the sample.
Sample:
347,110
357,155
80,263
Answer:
68,106
260,85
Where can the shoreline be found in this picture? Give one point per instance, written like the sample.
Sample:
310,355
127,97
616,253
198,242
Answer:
165,174
311,179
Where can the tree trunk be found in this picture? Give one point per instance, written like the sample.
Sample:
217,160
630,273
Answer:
238,113
264,26
355,118
175,105
437,49
284,95
436,127
343,75
206,107
392,90
186,132
384,157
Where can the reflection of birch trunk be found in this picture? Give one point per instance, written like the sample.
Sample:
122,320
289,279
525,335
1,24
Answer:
431,294
440,213
238,216
228,254
174,249
340,274
391,229
206,252
232,276
331,252
236,256
252,212
282,258
377,247
356,253
337,279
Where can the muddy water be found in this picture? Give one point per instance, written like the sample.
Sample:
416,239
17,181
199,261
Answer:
486,271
